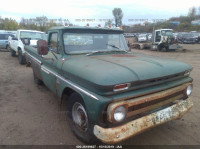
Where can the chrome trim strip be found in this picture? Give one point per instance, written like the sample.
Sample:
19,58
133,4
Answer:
38,61
46,71
68,82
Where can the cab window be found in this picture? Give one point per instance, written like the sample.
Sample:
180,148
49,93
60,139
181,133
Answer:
158,36
53,41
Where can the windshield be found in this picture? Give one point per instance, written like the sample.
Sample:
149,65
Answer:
142,35
89,42
196,34
189,35
166,33
32,35
5,36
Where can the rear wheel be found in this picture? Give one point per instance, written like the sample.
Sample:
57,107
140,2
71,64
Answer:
79,121
21,58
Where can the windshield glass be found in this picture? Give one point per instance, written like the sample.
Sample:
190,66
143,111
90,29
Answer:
32,35
189,35
195,34
166,33
5,36
89,42
142,35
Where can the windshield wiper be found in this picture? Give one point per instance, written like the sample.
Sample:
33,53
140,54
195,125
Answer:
105,52
95,52
114,46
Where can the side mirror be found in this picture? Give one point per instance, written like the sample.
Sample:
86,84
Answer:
42,47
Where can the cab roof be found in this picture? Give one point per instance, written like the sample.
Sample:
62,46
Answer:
86,28
23,30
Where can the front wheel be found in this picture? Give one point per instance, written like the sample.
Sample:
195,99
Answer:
79,121
21,58
159,47
12,52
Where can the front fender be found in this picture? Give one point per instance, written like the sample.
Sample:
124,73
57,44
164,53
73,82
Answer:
21,46
94,103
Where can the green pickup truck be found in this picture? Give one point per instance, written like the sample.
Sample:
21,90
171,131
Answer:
111,92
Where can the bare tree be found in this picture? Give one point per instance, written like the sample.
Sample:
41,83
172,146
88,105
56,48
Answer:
192,12
118,15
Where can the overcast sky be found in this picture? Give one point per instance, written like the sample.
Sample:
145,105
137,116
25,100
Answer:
77,10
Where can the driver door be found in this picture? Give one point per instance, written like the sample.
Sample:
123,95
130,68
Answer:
50,68
158,37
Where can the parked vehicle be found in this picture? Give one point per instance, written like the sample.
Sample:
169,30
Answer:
187,38
142,38
129,35
4,39
149,36
160,39
175,36
16,43
196,35
111,93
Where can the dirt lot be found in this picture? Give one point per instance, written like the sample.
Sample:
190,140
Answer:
31,114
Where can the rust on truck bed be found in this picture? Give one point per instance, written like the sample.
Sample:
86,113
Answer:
120,133
149,102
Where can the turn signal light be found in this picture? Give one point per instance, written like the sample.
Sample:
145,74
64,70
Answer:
121,87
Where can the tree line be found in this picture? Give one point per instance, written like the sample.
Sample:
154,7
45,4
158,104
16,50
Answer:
42,23
39,23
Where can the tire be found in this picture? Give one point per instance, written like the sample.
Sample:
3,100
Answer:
77,113
159,48
37,80
21,58
167,49
12,52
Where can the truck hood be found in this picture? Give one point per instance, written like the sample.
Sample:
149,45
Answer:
100,73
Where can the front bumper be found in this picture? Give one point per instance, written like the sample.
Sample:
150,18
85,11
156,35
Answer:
120,133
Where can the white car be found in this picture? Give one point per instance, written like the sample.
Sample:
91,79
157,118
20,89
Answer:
16,43
142,38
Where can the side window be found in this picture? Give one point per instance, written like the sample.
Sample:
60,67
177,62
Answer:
53,41
158,36
6,36
1,36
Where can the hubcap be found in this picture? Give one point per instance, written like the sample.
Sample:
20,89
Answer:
79,116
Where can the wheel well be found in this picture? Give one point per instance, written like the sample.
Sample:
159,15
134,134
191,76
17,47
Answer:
66,93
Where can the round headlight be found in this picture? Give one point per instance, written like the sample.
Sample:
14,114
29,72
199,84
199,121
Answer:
189,90
119,113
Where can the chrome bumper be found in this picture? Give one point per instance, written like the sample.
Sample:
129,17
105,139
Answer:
117,134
